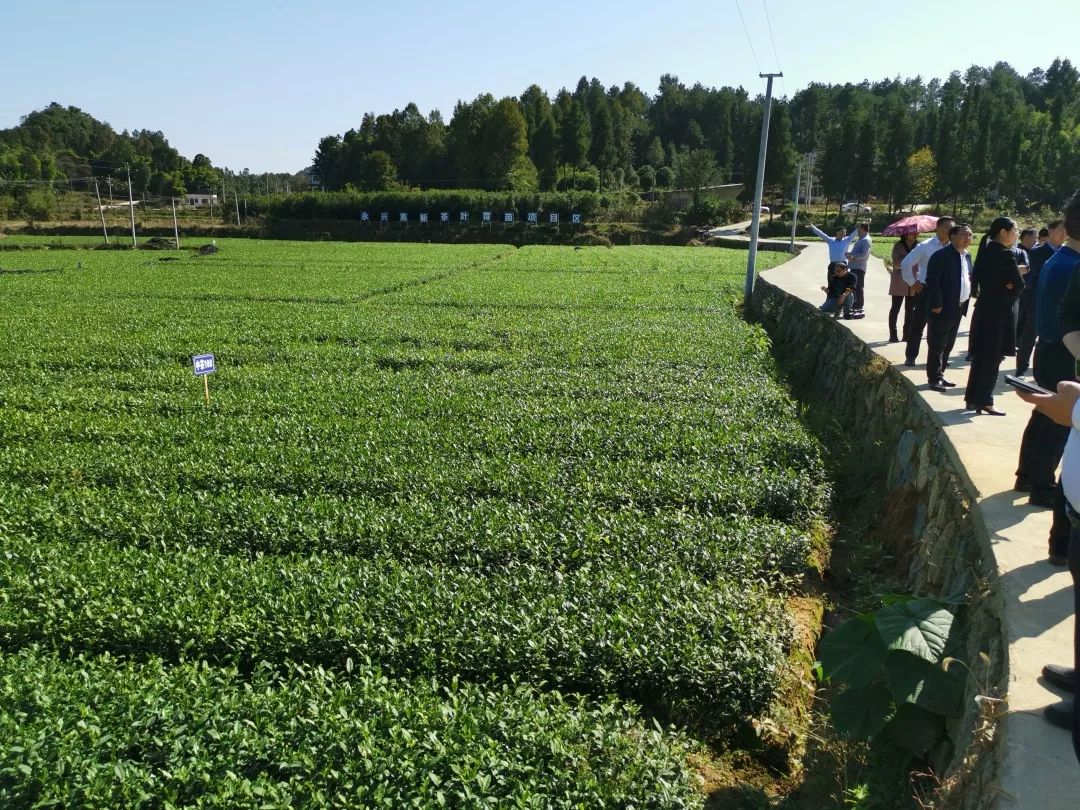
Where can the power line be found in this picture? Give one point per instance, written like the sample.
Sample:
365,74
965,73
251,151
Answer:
747,32
776,54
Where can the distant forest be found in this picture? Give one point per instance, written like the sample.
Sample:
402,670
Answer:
987,135
65,146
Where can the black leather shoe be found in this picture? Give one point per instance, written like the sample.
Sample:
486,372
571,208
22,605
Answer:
1060,715
909,363
1041,499
939,386
1059,676
946,383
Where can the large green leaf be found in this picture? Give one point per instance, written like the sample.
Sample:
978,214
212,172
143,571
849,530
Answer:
920,627
852,652
915,729
916,680
862,713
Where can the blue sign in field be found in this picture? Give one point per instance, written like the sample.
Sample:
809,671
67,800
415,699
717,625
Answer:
203,364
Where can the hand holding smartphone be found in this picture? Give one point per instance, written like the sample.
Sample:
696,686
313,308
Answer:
1023,385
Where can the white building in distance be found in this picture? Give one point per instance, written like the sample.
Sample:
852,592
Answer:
200,200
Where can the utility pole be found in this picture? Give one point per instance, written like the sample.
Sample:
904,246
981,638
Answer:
176,229
101,211
131,208
237,201
810,181
795,213
755,226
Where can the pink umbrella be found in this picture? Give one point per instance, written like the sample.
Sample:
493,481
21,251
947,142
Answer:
920,223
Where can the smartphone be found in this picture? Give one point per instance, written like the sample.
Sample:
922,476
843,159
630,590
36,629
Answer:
1031,388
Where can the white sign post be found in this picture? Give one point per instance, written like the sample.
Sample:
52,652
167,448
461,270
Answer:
203,365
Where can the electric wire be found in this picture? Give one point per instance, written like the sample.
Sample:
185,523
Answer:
776,54
748,40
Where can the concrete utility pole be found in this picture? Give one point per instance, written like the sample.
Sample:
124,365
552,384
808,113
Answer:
101,211
755,226
795,213
131,208
237,201
176,229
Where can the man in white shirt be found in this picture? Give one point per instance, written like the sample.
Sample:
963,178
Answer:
913,270
1064,408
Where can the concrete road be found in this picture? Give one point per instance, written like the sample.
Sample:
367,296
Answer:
1040,771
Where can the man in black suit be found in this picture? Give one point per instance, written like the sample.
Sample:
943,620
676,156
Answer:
1051,238
948,288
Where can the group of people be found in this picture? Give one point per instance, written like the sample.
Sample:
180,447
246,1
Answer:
934,282
1026,292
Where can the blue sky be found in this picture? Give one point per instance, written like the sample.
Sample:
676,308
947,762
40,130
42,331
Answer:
256,84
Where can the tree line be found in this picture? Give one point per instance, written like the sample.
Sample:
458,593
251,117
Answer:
986,135
989,134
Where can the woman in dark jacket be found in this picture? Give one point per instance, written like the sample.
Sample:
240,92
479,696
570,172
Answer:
998,282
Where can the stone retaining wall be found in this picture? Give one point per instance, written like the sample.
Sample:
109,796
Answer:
927,522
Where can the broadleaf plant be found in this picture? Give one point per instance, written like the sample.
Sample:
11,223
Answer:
897,681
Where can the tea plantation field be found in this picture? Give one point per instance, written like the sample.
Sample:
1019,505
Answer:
461,525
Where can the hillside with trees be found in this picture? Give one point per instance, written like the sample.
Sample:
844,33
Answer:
989,133
63,148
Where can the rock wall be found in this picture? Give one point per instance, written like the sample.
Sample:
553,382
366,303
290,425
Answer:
926,523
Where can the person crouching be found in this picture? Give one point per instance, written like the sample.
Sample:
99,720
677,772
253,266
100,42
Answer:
840,292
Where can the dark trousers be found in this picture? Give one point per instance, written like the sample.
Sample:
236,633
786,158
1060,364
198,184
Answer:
973,326
1061,527
1025,340
915,318
860,281
940,337
1044,439
982,377
1074,569
898,303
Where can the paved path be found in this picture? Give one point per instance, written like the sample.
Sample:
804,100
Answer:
734,229
1040,771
